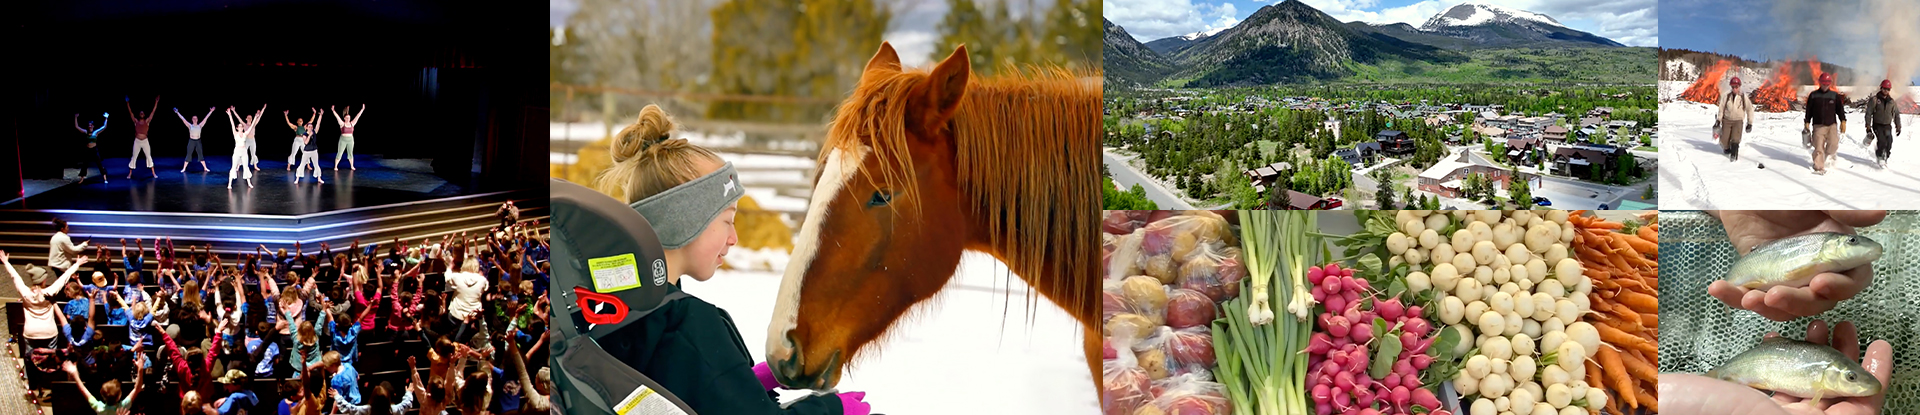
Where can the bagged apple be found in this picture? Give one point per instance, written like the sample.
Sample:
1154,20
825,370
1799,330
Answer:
1189,308
1191,395
1124,387
1192,346
1212,272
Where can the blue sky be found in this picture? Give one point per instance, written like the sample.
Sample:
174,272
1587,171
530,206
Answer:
1874,36
1630,22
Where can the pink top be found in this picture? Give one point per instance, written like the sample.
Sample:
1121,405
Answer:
140,129
346,130
366,323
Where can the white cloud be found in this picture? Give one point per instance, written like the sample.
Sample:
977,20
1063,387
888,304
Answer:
1630,22
1148,20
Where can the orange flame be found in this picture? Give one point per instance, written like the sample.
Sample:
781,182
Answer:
1707,88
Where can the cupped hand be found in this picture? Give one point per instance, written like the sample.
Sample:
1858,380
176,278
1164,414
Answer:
1687,394
1748,229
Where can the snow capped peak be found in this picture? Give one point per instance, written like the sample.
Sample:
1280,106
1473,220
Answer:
1202,34
1475,13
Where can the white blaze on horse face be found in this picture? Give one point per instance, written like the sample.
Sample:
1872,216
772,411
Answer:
839,168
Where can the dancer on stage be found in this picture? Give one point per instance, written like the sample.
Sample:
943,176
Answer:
241,130
253,147
301,131
93,146
308,146
140,144
193,139
346,134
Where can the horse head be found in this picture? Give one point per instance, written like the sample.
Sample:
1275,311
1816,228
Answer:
885,225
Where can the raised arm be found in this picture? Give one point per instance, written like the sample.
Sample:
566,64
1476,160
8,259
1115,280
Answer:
203,118
287,116
18,284
156,107
74,372
363,110
129,104
76,124
336,113
62,281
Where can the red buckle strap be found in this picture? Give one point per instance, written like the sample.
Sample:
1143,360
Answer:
619,308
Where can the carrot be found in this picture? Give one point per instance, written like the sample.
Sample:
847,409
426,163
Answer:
1650,319
1651,233
1617,322
1593,374
1599,304
1639,302
1625,314
1653,403
1615,374
1605,224
1639,368
1640,244
1617,337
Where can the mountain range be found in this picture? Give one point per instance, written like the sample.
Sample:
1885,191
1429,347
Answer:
1292,42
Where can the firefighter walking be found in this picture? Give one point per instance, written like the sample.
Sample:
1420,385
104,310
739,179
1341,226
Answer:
1884,116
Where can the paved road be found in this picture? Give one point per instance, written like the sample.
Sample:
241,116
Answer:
1125,176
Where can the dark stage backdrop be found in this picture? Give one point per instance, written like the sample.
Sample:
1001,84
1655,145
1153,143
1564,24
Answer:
450,81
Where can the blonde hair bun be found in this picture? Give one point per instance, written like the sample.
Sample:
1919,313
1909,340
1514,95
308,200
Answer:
647,160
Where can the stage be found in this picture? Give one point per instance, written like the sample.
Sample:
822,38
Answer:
376,182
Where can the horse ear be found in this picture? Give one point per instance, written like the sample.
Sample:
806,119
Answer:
886,58
948,83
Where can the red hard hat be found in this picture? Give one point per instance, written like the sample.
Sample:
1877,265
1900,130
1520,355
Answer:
1886,84
1826,78
1734,81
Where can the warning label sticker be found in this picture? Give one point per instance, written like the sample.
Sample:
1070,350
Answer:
614,273
645,401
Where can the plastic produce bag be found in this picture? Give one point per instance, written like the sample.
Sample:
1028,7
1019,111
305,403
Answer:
1192,346
1114,302
1188,351
1213,271
1189,395
1126,260
1178,236
1124,387
1189,308
1147,294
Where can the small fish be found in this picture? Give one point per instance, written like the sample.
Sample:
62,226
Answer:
1794,261
1798,368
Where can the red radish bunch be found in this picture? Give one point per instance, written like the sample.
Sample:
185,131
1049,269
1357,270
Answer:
1340,354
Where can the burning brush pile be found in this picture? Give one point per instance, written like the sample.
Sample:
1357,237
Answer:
1778,92
1706,89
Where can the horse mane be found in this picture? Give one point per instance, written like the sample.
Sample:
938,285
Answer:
1043,221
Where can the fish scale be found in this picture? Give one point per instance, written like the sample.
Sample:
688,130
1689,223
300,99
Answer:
1798,368
1795,260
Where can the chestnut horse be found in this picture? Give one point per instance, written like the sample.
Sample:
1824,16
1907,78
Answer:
920,165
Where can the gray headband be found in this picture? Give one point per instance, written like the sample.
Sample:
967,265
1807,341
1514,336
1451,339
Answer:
681,213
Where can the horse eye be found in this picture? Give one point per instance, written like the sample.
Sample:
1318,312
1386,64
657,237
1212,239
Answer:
880,198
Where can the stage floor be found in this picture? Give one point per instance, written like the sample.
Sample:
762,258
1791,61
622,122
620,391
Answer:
377,182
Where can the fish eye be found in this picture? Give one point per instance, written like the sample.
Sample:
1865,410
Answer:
1851,377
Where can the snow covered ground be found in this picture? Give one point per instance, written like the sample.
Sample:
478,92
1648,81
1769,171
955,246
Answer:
767,169
1694,175
977,349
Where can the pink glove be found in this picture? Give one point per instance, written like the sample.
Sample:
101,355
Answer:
851,404
765,374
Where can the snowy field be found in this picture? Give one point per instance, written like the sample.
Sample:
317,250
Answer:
1775,171
976,349
764,170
